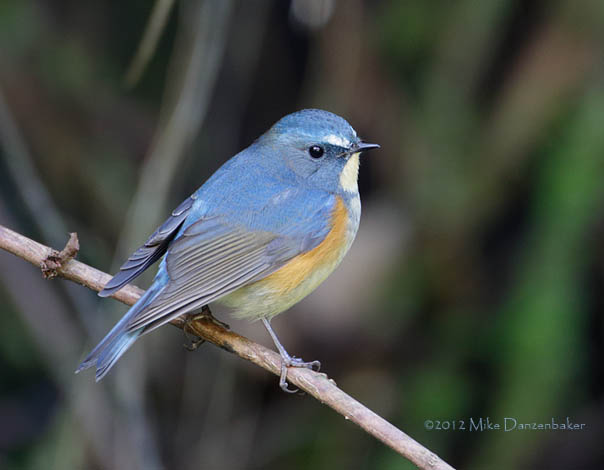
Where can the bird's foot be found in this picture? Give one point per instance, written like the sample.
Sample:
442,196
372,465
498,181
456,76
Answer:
193,341
204,314
288,361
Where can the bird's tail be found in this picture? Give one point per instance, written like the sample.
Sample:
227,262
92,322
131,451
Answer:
118,340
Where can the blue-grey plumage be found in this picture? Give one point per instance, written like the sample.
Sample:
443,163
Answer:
264,231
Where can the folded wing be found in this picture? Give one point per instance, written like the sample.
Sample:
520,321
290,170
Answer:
220,253
209,260
153,249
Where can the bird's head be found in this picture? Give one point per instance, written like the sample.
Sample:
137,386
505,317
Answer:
319,147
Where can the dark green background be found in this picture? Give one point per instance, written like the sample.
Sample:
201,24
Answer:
474,288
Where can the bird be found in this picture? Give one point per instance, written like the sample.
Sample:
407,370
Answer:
258,236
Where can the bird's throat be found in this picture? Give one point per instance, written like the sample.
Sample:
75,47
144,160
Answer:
350,174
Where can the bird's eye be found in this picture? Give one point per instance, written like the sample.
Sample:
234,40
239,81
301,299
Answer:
316,151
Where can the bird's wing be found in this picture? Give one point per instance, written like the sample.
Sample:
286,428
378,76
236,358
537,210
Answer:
153,249
215,256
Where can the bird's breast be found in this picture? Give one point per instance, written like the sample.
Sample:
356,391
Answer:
303,274
325,256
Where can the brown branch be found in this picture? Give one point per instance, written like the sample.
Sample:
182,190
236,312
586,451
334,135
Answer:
53,262
313,383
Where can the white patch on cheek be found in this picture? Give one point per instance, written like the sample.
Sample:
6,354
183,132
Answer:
336,140
350,174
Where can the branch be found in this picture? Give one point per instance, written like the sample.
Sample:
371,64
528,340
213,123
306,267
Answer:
313,383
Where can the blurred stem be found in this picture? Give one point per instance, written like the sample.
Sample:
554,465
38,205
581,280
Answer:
43,213
199,49
197,56
313,383
469,40
32,191
552,68
148,45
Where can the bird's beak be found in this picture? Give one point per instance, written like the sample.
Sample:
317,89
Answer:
363,146
359,147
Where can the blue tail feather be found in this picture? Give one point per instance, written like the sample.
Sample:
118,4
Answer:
118,340
113,351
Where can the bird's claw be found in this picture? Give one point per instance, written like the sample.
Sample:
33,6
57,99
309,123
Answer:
288,361
193,342
292,361
298,362
283,380
204,314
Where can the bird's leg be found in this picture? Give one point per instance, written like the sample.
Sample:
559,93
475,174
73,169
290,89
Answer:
206,314
287,360
193,342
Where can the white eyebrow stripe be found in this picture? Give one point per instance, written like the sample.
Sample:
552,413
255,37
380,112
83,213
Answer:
336,140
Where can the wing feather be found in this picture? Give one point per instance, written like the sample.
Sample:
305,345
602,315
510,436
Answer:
192,305
217,254
153,249
203,268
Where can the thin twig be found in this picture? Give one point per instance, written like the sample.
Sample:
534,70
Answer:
57,259
313,383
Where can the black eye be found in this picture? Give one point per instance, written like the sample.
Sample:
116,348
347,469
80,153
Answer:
316,151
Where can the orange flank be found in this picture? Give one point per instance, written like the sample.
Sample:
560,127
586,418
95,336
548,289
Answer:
298,278
327,253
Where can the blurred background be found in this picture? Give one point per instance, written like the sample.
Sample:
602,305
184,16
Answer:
473,288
